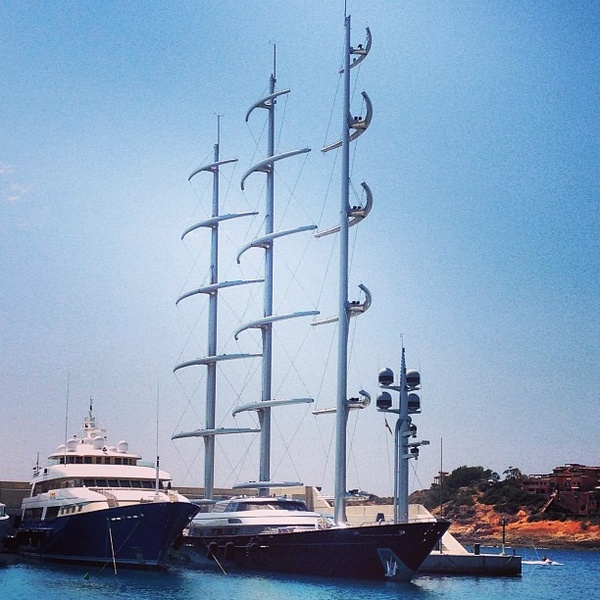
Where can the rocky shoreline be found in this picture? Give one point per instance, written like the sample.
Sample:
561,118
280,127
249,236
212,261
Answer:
485,528
532,542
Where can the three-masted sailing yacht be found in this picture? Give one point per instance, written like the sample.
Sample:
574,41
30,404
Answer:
233,535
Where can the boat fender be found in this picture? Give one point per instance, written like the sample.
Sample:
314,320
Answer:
211,550
229,551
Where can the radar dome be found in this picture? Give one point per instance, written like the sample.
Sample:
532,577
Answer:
414,403
384,401
413,378
386,376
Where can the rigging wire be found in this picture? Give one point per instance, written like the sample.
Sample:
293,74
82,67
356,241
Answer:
332,112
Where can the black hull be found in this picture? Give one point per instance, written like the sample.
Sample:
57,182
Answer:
137,536
369,552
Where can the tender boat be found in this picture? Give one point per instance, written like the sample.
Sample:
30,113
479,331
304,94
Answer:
268,533
243,515
95,504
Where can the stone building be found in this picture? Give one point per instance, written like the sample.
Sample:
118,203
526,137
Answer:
573,488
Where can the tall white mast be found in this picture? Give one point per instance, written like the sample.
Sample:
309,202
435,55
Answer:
211,369
341,415
351,129
266,241
209,432
267,331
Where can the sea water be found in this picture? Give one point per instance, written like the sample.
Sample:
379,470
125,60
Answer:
578,576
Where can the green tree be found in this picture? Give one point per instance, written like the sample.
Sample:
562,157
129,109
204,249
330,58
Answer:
512,473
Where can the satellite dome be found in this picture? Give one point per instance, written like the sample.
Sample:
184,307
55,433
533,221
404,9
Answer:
384,401
386,376
413,378
414,403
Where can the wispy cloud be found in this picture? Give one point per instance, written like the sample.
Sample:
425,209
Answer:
16,191
11,190
5,169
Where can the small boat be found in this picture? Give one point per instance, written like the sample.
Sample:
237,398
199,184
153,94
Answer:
545,561
266,532
94,504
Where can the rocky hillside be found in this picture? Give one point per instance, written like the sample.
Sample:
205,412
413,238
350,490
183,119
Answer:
480,523
477,503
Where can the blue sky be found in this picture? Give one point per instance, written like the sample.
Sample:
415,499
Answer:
481,252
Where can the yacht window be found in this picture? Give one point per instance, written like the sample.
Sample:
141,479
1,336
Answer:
40,488
33,513
51,512
299,506
89,482
113,483
258,506
101,483
118,460
87,460
136,483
